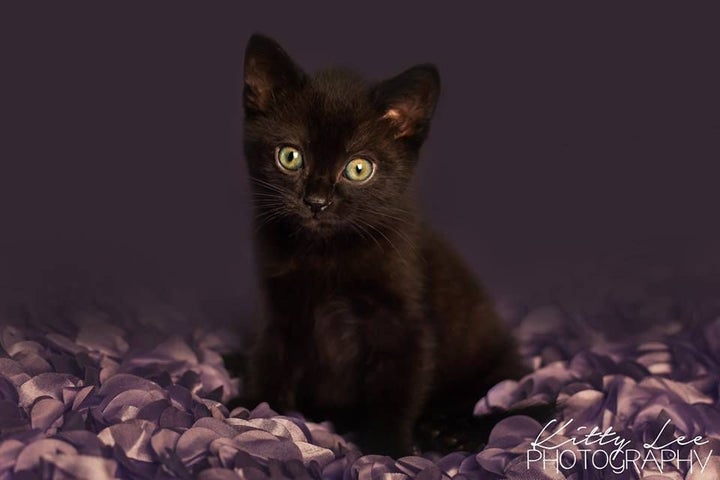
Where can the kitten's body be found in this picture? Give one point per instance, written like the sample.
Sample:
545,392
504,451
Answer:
371,317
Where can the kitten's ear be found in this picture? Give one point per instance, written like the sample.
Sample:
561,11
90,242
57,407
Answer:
269,73
408,100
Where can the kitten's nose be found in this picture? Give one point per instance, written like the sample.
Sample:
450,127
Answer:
316,203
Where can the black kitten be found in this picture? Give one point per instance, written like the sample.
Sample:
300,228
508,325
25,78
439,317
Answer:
371,318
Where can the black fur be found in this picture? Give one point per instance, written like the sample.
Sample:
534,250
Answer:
371,318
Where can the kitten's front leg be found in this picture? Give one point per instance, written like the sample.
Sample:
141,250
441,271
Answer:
271,378
398,377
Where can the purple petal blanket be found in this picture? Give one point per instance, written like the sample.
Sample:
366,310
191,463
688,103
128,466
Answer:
97,399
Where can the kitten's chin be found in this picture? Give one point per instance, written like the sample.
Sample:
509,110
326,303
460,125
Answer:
318,226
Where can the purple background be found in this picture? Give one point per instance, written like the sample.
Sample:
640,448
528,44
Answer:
566,139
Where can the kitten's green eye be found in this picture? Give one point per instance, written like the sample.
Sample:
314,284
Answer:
289,158
358,170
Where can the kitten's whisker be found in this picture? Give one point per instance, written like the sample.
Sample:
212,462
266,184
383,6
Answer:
397,231
265,218
270,199
402,235
260,223
267,195
265,223
400,254
273,209
266,208
270,186
269,212
268,205
362,232
385,214
296,231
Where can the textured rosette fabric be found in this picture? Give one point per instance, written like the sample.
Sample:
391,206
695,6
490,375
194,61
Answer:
99,399
632,388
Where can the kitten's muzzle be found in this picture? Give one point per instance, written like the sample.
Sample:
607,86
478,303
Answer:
317,203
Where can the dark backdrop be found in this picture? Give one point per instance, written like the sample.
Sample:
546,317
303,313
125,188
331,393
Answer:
567,139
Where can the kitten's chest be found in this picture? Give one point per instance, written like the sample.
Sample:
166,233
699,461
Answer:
315,277
324,309
309,295
326,339
312,287
332,313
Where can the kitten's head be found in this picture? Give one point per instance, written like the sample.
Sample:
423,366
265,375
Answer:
331,152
